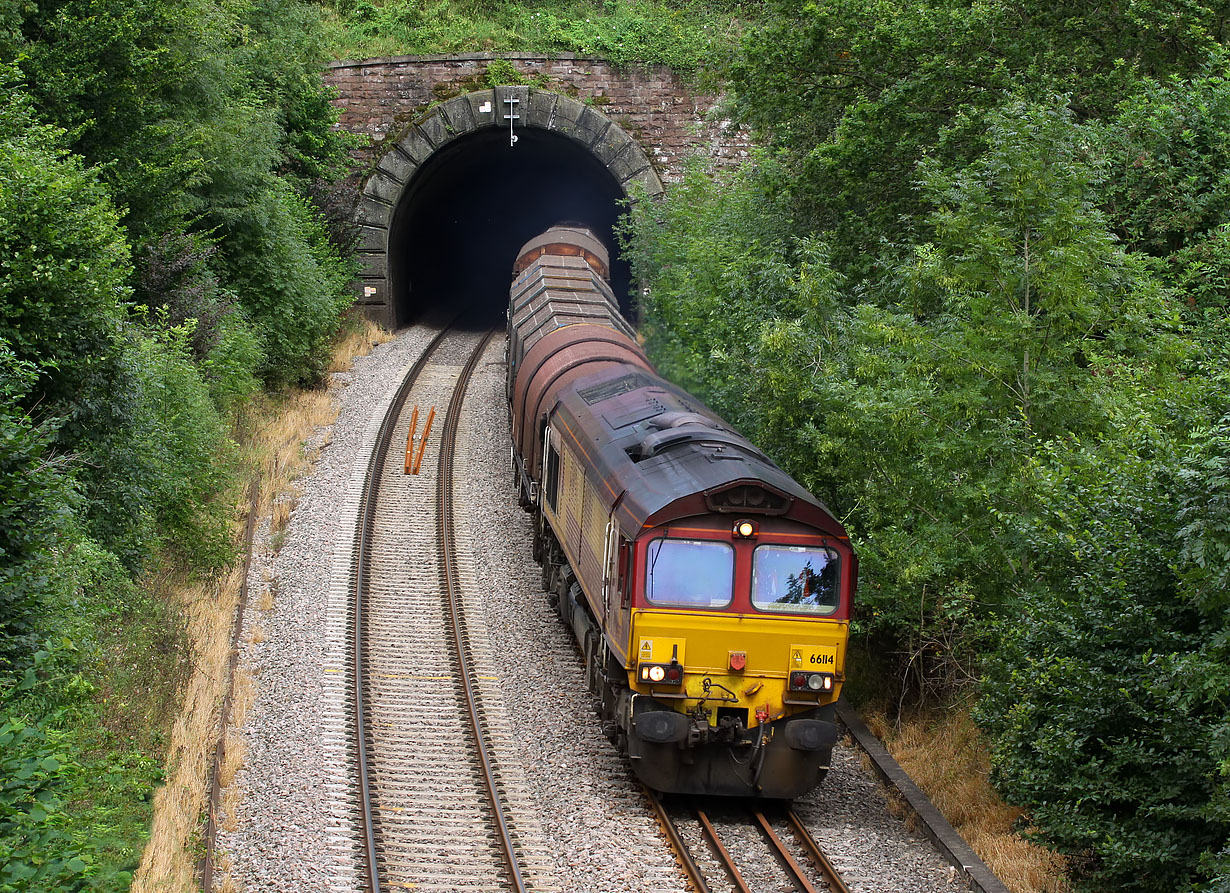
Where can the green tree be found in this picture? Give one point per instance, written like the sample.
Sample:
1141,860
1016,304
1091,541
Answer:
1107,702
209,122
64,260
1022,255
856,94
36,502
1168,190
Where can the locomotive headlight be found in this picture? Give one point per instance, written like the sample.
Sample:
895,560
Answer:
666,674
810,682
745,529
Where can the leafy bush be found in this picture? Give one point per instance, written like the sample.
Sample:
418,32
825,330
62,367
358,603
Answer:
64,260
1106,699
1168,151
36,502
855,94
165,458
35,852
290,281
95,700
191,131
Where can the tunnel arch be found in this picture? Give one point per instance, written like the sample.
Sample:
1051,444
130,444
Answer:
441,217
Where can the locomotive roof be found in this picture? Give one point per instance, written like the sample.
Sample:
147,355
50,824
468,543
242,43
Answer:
672,457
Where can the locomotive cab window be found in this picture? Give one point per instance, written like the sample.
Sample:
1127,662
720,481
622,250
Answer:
551,478
796,579
689,573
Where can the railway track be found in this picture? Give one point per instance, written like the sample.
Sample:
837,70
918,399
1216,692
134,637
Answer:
439,811
704,843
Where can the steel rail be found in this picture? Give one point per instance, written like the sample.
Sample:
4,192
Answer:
793,868
796,872
821,861
444,493
367,520
682,855
723,854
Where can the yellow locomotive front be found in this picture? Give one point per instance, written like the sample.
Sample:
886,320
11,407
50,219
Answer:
737,644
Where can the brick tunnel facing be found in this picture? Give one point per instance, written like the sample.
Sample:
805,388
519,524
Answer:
461,218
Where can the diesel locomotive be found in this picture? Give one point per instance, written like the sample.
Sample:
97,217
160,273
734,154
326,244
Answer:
708,591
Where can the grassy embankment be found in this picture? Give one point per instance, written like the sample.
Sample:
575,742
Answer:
946,755
275,433
696,36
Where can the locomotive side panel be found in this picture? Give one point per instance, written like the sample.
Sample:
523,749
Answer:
581,526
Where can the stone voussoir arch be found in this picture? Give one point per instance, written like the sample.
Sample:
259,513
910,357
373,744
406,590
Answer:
456,118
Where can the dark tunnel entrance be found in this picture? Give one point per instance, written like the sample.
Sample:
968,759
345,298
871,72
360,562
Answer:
459,222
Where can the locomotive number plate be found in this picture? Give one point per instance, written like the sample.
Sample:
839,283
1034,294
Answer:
813,657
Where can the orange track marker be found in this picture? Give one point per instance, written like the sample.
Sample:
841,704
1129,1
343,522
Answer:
414,424
423,443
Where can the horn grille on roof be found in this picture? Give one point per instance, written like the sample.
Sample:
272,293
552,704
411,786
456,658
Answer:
748,499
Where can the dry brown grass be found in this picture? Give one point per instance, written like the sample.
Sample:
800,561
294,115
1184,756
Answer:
225,883
285,448
278,431
232,761
169,861
359,340
242,695
947,757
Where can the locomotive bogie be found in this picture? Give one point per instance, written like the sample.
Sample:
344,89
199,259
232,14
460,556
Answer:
785,761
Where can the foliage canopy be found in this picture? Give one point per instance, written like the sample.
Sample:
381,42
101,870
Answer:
972,293
160,258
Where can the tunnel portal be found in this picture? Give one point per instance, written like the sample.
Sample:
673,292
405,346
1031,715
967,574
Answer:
448,207
460,221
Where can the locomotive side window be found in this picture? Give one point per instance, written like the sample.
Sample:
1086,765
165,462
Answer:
689,573
796,579
551,478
